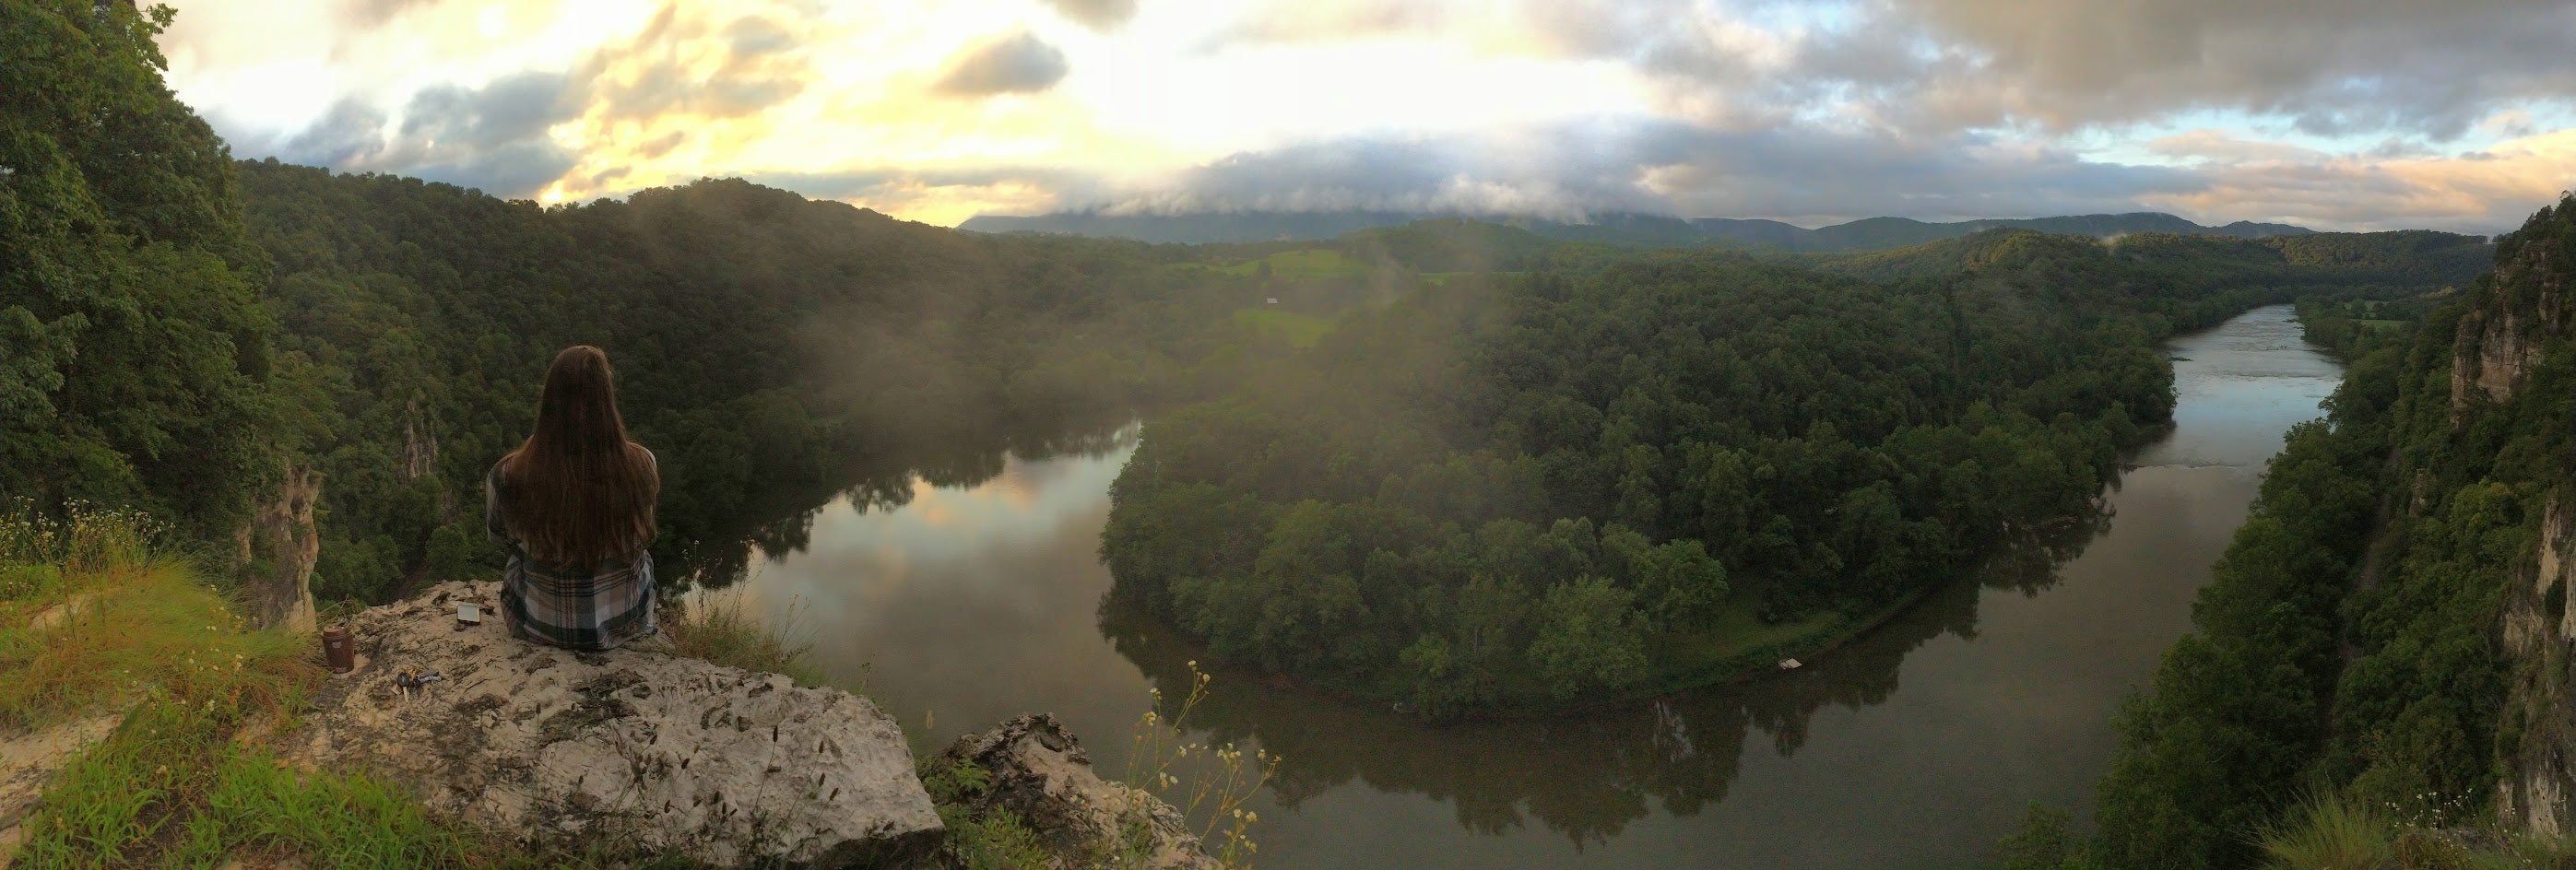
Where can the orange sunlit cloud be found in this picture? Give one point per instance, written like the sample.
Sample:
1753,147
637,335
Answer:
938,111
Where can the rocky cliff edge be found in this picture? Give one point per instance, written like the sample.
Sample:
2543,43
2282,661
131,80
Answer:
668,754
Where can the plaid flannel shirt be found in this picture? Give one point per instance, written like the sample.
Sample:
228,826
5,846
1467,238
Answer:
560,606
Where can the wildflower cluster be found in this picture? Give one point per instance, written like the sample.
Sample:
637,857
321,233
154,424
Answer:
90,539
1210,791
2434,810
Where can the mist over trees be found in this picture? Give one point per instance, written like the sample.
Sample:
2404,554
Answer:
1622,228
1603,478
775,351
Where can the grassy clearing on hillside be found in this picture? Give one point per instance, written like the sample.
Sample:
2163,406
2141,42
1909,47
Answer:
1740,630
1305,264
1300,330
1443,278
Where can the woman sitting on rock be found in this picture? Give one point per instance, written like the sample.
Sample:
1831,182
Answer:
573,505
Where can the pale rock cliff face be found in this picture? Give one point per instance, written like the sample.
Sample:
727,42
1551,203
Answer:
420,455
670,754
420,444
2541,763
282,532
2499,343
2492,355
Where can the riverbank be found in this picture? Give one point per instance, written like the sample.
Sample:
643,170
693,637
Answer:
1819,638
1911,716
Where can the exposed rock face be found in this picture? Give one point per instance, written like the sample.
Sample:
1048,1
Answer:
2534,790
420,442
2498,343
282,531
2491,356
420,455
2522,308
1040,773
719,764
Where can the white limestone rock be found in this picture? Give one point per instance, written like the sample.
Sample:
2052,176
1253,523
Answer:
668,754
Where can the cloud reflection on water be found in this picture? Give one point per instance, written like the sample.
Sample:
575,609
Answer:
1916,744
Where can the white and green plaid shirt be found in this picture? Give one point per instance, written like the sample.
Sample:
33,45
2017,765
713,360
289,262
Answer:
550,604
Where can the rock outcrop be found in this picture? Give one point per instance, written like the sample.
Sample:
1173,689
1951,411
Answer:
669,754
2517,314
2493,354
2542,763
280,535
1038,772
2500,340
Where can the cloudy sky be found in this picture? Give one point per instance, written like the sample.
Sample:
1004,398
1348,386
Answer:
2342,114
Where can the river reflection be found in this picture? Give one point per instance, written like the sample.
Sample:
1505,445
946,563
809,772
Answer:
1583,777
1916,745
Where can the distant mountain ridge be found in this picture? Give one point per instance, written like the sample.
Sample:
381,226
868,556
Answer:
1882,233
1867,234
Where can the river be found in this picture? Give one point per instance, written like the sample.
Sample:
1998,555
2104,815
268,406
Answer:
1916,745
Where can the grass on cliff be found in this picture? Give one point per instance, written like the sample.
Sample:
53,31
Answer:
97,615
717,628
189,778
2337,834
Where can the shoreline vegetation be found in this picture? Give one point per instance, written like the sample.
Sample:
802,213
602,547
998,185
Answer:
2376,675
2027,564
1529,494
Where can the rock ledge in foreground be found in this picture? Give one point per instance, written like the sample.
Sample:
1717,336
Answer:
1040,773
671,754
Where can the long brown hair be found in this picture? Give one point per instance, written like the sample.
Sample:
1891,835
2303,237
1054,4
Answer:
577,492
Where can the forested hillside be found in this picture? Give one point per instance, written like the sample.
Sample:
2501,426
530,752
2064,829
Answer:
2386,636
1609,478
775,351
186,334
134,353
2329,262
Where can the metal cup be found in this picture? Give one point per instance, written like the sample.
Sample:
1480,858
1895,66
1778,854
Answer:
339,649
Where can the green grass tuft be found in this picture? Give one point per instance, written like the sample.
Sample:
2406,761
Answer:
717,628
172,788
2330,834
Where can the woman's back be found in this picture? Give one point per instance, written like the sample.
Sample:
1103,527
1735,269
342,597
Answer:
573,507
